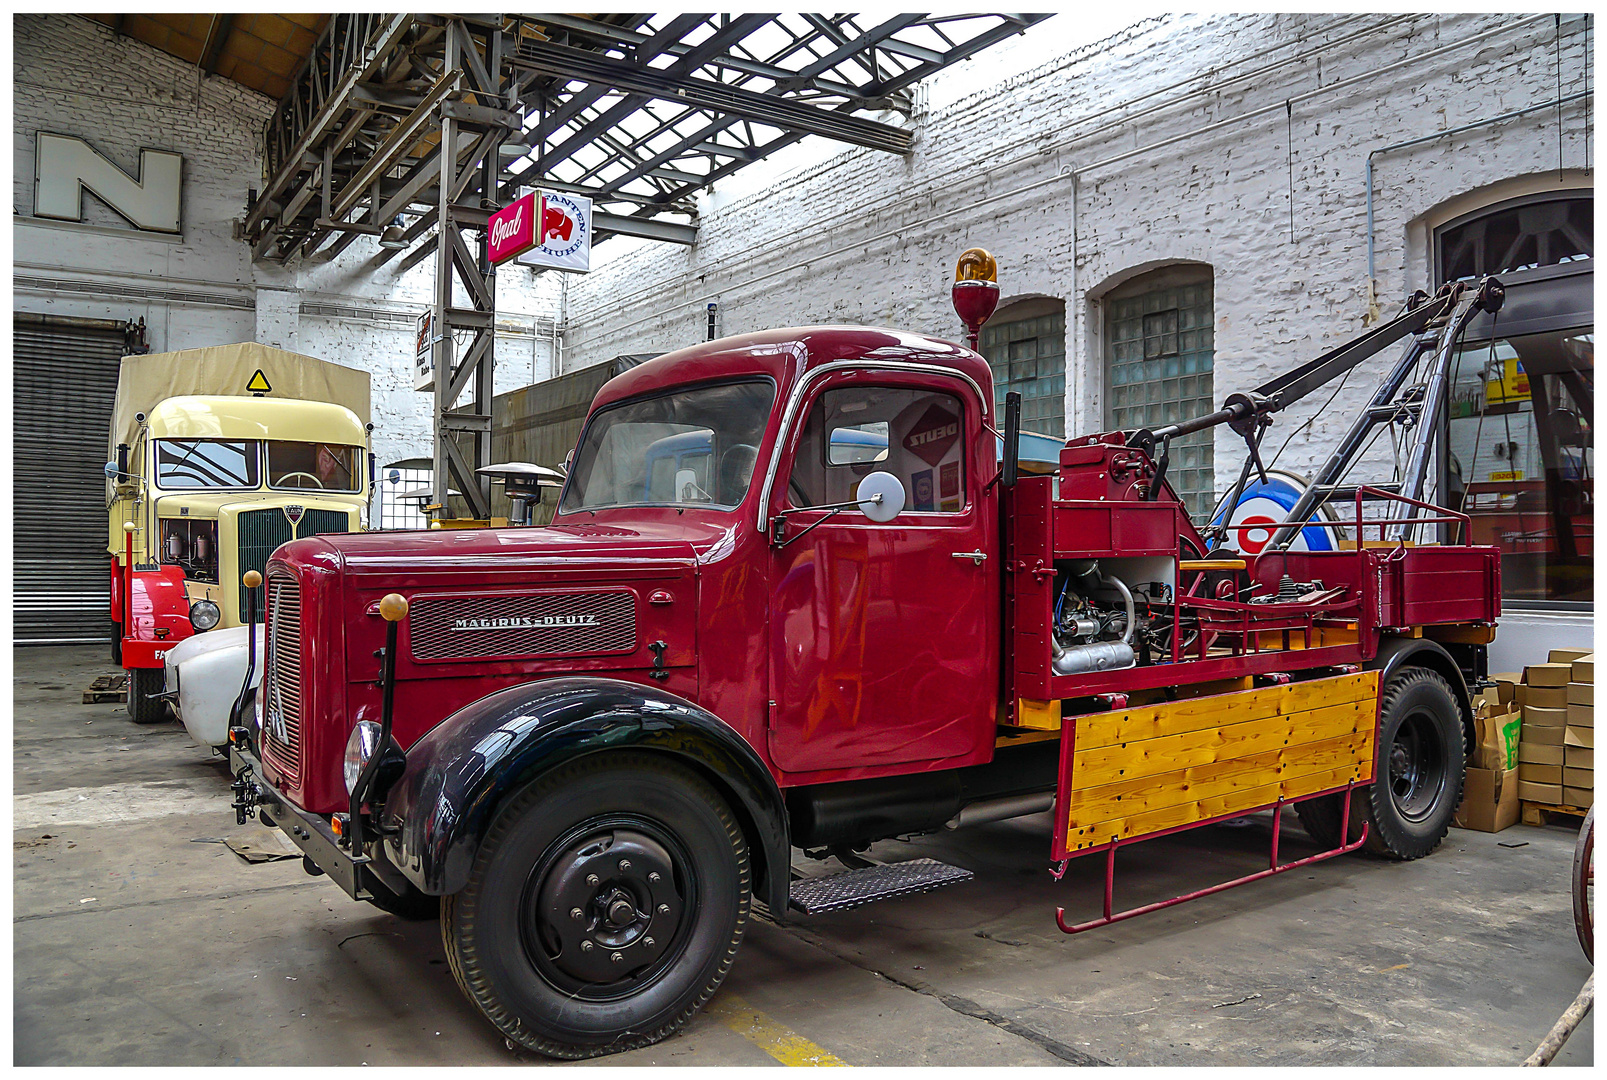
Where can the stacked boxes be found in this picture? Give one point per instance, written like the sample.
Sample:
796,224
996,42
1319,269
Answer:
1490,793
1579,734
1544,773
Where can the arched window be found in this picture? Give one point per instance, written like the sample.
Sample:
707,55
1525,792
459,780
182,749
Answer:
1159,351
1542,230
1025,344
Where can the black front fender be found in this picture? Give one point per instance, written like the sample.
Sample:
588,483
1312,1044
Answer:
467,767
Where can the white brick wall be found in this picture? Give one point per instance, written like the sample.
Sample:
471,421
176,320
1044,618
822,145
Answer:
76,77
869,238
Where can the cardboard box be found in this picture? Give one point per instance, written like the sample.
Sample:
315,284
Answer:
1579,736
1566,656
1532,753
1584,778
1581,693
1540,716
1549,675
1584,669
1579,757
1580,797
1539,774
1520,695
1582,716
1506,683
1541,733
1489,800
1546,697
1550,794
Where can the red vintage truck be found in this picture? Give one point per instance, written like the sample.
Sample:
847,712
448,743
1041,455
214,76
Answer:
594,745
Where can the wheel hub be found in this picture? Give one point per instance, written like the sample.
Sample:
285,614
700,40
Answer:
608,906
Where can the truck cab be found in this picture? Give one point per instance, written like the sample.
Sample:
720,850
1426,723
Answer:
598,743
202,487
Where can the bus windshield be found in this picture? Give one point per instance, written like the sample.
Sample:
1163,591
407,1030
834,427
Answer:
186,464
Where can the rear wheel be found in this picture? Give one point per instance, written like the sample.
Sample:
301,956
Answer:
604,907
1417,777
144,707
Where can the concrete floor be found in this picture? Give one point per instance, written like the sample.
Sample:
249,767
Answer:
139,939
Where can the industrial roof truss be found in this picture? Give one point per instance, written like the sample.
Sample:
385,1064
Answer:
635,111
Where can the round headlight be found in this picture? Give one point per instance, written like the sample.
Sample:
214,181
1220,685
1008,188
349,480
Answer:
204,615
360,747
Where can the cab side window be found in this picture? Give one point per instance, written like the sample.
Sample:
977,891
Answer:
917,435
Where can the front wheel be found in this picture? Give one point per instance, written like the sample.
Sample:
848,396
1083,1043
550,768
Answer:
144,706
604,907
1417,779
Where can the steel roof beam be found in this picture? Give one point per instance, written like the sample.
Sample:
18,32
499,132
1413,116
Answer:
733,101
670,232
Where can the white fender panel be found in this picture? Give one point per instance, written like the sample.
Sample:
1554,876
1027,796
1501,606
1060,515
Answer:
208,670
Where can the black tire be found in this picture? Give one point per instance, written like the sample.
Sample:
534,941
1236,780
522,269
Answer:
117,643
410,904
556,849
1418,773
144,707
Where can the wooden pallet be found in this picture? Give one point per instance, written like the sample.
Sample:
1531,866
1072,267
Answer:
1543,814
107,688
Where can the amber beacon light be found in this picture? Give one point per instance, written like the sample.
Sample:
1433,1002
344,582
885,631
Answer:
976,290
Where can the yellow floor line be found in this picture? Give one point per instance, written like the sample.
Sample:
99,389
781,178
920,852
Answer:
777,1040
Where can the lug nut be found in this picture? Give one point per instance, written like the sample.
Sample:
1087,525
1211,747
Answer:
624,864
585,946
648,942
617,957
592,879
576,913
653,876
663,909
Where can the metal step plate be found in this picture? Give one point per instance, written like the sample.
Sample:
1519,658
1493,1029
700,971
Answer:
852,888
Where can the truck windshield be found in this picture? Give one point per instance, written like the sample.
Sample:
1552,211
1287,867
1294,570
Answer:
184,464
689,447
316,466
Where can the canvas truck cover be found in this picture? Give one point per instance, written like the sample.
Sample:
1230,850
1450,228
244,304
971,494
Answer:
143,381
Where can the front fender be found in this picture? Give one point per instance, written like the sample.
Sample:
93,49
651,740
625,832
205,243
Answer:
464,769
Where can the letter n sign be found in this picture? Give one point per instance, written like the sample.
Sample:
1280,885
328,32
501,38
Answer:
64,166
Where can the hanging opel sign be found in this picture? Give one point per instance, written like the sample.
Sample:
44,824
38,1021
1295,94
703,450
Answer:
560,227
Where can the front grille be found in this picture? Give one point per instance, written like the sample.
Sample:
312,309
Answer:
262,531
282,676
482,627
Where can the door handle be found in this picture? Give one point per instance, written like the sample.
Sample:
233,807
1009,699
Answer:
975,556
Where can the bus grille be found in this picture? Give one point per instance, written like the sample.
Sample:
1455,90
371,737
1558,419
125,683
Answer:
282,677
262,531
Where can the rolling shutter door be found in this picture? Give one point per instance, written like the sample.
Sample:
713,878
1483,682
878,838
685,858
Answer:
65,382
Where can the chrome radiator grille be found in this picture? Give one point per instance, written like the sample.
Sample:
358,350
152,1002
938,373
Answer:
480,627
282,681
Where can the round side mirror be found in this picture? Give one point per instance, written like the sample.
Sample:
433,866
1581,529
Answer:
112,471
880,496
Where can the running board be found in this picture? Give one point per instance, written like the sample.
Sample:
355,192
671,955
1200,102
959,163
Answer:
854,888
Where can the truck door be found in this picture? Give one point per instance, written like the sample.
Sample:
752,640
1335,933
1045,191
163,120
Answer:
884,637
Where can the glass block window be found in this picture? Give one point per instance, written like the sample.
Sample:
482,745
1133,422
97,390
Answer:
1025,344
1159,353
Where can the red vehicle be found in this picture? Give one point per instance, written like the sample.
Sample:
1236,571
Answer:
596,744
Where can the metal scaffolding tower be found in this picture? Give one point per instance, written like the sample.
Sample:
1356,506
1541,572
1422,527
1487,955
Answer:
414,128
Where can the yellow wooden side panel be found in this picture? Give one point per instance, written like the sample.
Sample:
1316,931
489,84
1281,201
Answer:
1172,764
